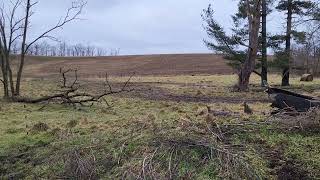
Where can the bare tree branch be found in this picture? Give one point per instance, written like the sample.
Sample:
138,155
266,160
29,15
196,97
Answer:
72,95
78,7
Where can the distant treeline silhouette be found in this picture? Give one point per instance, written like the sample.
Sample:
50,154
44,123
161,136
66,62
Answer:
63,49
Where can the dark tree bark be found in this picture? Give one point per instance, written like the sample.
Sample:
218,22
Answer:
4,61
4,81
246,70
23,49
264,59
286,69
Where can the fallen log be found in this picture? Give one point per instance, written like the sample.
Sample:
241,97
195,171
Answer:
283,99
307,77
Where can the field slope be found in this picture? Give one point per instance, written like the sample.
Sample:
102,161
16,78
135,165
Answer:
171,64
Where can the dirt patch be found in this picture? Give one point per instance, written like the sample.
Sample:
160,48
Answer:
290,170
150,91
282,168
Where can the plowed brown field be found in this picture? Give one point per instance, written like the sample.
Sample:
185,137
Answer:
158,65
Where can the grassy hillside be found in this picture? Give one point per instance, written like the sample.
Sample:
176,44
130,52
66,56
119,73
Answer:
161,130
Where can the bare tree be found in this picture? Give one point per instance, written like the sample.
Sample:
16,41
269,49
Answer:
114,52
11,26
62,49
316,54
100,52
36,49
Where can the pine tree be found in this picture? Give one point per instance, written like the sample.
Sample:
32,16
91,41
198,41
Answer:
292,8
245,35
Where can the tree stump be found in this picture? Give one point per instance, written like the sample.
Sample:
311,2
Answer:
307,77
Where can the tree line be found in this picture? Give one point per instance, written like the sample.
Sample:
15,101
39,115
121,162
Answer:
246,46
306,56
64,49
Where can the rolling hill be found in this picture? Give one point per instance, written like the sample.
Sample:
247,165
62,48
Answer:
157,65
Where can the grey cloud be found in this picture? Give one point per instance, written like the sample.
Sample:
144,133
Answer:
135,26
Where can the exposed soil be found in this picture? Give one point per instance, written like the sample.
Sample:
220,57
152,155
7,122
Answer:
282,168
157,65
150,91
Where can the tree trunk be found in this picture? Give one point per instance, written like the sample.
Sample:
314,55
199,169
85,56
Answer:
308,65
11,79
264,60
9,71
244,79
23,49
254,27
4,76
4,71
316,70
286,69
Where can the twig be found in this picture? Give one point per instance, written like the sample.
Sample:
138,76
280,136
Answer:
170,160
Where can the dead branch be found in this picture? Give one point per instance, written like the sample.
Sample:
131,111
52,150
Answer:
71,94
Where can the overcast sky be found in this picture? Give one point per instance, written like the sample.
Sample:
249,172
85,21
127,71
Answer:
135,26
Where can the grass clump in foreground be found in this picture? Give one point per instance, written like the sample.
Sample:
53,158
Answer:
139,138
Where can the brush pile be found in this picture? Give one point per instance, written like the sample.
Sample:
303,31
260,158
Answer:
294,120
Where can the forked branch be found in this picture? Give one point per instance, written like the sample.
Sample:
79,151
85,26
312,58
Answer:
71,94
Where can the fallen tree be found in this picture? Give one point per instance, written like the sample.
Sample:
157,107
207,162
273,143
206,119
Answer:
307,77
70,93
283,99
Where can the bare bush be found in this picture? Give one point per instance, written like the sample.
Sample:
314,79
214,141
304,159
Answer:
80,164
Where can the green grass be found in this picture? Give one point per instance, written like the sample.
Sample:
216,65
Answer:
149,139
